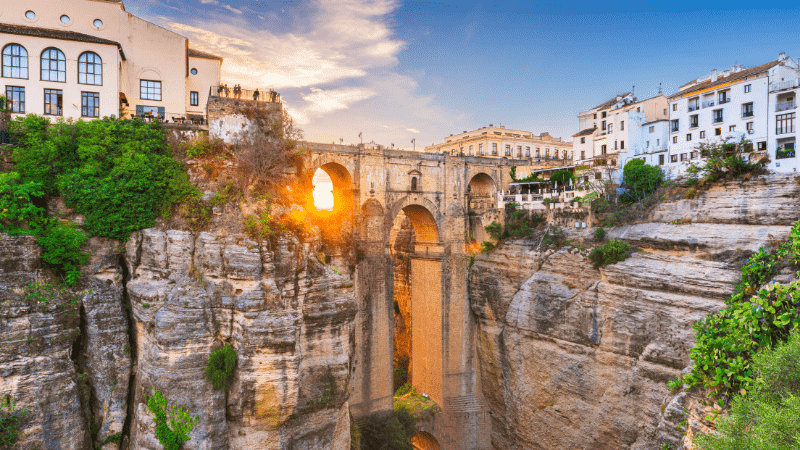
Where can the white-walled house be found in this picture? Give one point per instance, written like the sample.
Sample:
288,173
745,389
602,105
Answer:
91,58
726,106
648,142
783,91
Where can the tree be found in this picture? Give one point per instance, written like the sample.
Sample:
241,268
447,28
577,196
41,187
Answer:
561,176
641,179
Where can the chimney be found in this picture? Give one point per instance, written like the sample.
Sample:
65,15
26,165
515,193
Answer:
713,75
781,56
491,125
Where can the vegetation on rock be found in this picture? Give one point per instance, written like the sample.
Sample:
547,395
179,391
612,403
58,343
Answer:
768,416
611,252
754,318
220,367
10,421
392,431
641,180
173,425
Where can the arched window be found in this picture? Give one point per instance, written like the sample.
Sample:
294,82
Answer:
414,183
90,69
15,61
54,65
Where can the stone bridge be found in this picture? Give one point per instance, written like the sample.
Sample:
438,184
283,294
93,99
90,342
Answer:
435,193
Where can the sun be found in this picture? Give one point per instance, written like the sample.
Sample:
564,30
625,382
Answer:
323,191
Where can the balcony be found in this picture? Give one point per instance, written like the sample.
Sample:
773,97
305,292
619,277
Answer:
717,119
694,107
694,125
785,106
177,120
782,85
747,114
674,129
263,96
722,101
708,104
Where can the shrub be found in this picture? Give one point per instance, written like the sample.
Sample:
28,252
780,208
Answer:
641,180
599,234
388,431
751,321
512,206
495,230
61,248
690,194
549,200
10,421
172,426
487,246
674,384
611,252
561,176
119,174
767,417
220,367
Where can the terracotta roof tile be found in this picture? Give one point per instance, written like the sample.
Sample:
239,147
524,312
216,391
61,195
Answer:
610,103
53,34
198,54
585,132
732,77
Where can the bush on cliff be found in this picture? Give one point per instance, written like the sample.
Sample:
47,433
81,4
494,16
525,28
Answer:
10,421
752,320
611,252
173,425
768,417
119,174
220,367
641,180
388,431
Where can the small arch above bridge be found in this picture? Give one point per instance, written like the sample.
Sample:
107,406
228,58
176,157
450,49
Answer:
424,441
482,185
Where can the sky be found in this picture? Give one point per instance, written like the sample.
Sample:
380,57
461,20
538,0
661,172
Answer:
398,71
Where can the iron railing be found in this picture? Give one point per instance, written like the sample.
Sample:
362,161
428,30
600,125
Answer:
722,101
693,107
708,104
257,95
785,106
781,85
174,118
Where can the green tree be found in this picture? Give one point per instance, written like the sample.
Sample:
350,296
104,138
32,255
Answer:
173,425
561,176
640,179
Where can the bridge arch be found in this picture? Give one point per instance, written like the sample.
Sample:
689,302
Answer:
424,441
424,216
482,184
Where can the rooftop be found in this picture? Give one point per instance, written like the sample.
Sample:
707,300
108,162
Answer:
54,34
585,132
735,76
609,103
193,53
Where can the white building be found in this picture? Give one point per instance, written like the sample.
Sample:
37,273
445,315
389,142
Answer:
91,58
648,142
726,106
613,131
783,91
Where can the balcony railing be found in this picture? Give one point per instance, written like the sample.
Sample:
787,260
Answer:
694,125
722,101
257,95
747,114
673,129
174,118
693,108
781,85
785,106
717,119
708,104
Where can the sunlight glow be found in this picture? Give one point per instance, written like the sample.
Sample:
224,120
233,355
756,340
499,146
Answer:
323,191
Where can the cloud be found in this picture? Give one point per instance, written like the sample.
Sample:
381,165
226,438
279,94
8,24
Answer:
412,130
209,2
232,9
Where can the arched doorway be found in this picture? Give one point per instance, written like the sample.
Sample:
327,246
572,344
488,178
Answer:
425,441
417,310
330,210
334,185
482,199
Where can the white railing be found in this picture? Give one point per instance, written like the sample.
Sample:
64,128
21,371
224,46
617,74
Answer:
708,104
785,106
781,85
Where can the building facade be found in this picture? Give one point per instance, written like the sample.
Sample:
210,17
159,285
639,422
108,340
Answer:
91,58
500,142
614,130
734,104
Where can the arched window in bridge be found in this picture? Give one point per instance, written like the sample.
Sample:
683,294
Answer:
414,184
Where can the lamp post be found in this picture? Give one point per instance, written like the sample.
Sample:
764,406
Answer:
360,137
414,141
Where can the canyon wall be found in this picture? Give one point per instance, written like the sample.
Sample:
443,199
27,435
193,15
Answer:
574,357
147,313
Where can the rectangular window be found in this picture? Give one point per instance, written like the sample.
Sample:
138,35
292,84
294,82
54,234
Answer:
583,154
732,128
527,152
674,106
470,150
660,160
622,145
688,137
53,102
480,149
693,155
717,131
547,153
537,152
784,123
583,140
749,126
595,116
519,151
747,88
684,157
194,98
673,158
638,109
150,90
658,142
603,149
747,110
494,149
702,134
603,125
717,115
694,104
674,125
622,126
508,150
90,104
652,129
665,111
723,97
785,151
674,139
16,98
647,144
610,128
762,146
604,114
694,121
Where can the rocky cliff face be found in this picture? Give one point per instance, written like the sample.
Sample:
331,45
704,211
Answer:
147,315
572,357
